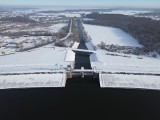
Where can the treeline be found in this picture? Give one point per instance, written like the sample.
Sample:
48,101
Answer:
146,30
18,19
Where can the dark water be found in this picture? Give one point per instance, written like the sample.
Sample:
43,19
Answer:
82,98
82,59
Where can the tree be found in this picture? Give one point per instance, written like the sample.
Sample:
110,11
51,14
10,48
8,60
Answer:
102,45
154,55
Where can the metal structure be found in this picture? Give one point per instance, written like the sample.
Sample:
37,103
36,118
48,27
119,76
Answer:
81,72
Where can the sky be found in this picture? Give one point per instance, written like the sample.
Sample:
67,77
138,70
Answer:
114,3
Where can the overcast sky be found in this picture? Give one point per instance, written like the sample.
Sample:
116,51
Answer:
128,3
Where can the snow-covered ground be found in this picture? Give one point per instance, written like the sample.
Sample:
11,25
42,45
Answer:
41,67
44,59
120,62
21,43
35,67
111,62
129,81
110,36
32,81
128,64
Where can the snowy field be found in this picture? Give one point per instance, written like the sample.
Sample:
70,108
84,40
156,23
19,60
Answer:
110,36
32,81
130,63
44,59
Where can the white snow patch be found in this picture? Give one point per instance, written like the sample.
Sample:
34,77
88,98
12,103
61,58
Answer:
70,56
75,45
